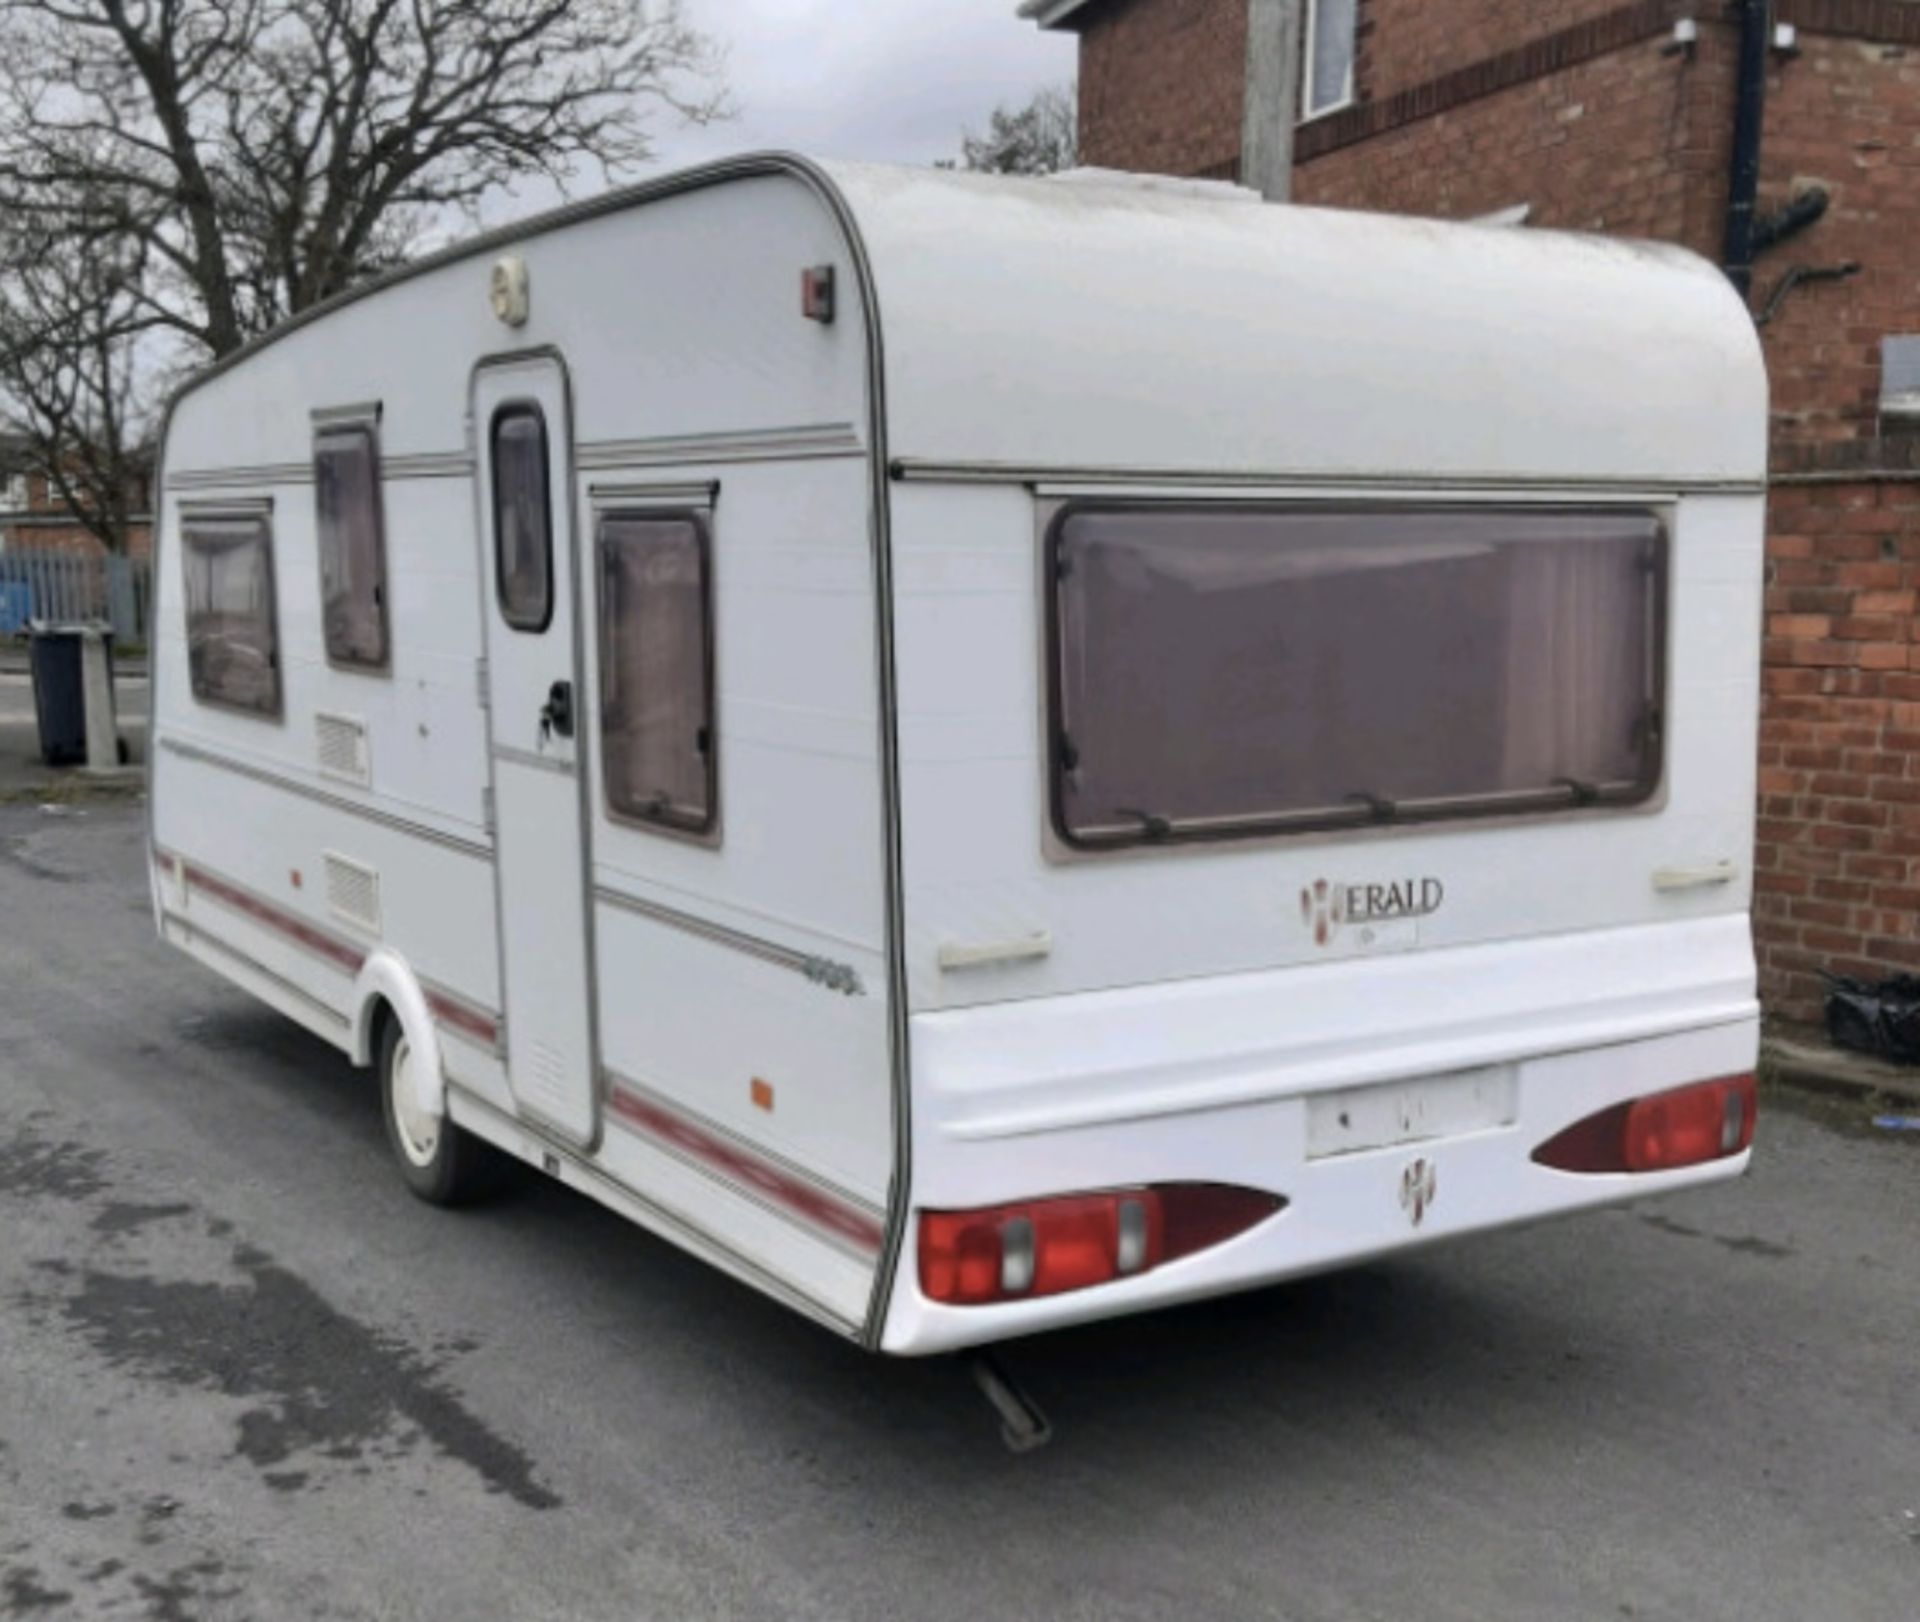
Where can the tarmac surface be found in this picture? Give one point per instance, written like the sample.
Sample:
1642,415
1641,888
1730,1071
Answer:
244,1375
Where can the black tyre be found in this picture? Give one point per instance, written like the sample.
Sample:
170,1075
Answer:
440,1163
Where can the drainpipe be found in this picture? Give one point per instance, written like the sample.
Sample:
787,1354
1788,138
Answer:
1271,108
1750,103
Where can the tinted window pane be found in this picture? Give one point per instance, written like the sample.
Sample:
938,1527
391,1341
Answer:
232,655
656,669
353,562
1245,671
523,541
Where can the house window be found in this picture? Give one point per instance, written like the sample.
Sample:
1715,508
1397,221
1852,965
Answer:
1328,73
522,514
353,553
656,670
233,653
1234,672
13,492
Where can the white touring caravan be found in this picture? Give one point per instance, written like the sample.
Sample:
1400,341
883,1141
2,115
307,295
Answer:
989,753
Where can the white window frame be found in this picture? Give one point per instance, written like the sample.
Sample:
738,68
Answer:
1308,111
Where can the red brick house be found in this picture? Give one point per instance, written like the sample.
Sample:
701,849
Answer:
1621,117
34,517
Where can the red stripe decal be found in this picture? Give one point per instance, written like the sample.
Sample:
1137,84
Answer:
466,1021
802,1199
317,941
163,860
446,1009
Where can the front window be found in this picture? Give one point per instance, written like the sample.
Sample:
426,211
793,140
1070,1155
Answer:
233,653
1328,72
1232,672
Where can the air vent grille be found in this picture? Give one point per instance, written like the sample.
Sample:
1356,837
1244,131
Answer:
342,745
353,893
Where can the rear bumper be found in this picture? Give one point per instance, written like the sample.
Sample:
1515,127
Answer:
1170,1085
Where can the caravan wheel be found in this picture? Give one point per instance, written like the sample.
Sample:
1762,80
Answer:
440,1163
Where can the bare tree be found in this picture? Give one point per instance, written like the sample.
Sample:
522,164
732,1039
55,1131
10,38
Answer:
1036,139
268,153
74,325
202,169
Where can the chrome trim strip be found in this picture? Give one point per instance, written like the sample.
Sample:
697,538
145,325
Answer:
337,802
420,465
762,445
822,971
1061,479
526,757
428,465
224,478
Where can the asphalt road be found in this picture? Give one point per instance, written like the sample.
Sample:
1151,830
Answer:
243,1374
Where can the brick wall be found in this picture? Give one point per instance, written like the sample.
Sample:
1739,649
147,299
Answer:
1407,42
1838,881
1161,85
1629,141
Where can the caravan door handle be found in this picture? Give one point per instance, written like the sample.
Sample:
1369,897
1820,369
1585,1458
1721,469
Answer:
556,715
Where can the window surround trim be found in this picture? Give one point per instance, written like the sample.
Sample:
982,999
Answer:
355,421
642,505
1646,794
519,406
1308,112
259,512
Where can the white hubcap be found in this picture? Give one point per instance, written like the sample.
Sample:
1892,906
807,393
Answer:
419,1131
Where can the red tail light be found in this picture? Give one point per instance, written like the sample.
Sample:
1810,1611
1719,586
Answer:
1686,1127
1047,1247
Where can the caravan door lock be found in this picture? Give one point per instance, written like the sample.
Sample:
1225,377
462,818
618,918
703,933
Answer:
556,715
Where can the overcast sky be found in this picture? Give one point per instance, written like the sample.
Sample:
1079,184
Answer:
894,80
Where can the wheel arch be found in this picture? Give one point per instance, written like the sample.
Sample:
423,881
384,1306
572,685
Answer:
386,982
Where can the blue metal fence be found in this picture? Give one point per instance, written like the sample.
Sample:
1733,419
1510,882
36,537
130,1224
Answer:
40,585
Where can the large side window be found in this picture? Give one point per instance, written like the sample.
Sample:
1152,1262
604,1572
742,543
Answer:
656,669
1331,44
1230,672
233,653
353,550
522,531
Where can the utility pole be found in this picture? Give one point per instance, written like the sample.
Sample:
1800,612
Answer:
1274,35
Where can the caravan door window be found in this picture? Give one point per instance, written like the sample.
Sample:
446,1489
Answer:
233,653
1230,672
523,548
353,551
656,670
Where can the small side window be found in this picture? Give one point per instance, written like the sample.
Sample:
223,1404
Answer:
353,549
233,653
656,670
522,532
1331,43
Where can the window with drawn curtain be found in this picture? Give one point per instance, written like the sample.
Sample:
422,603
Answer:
233,654
656,670
1231,672
353,553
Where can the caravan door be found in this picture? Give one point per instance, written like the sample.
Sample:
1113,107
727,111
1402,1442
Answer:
522,435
